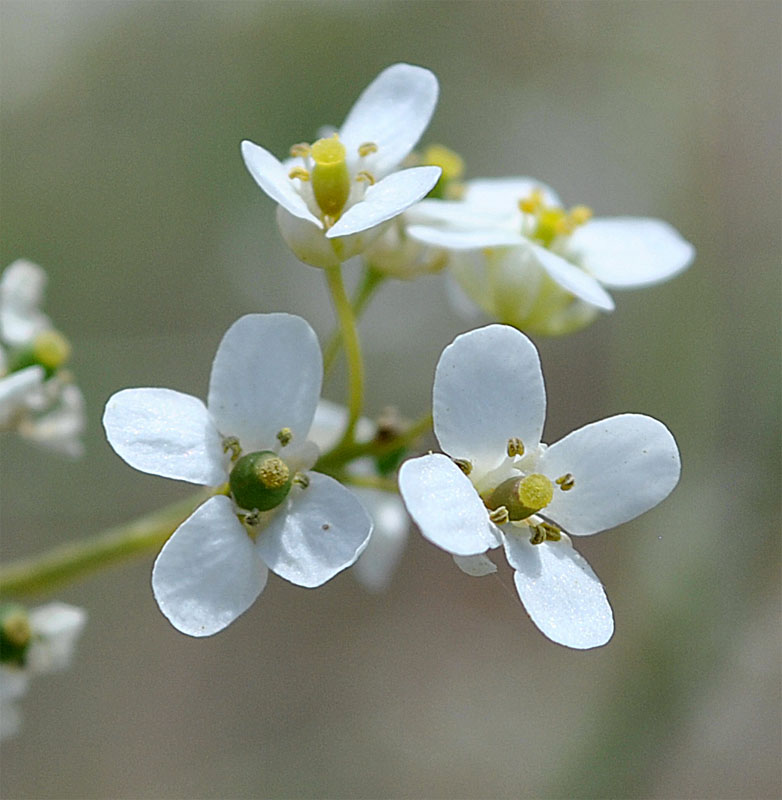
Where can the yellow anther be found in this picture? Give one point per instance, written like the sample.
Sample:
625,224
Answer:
300,479
464,465
538,534
545,532
330,176
451,163
366,177
532,203
515,447
51,349
300,173
566,482
284,436
499,516
232,443
367,149
579,215
301,150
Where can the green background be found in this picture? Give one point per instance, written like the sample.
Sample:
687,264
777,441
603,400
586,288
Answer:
121,175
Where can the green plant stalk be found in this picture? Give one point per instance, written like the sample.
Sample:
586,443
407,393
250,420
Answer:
349,335
75,560
371,281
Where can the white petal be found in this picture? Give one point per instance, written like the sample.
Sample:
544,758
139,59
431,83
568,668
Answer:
570,277
445,506
385,200
56,628
625,252
393,112
622,466
498,195
21,293
461,216
165,433
322,530
266,376
15,389
476,566
307,241
488,388
377,563
272,176
560,592
208,572
453,239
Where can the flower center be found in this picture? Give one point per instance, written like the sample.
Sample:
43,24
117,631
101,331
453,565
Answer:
452,166
260,481
550,222
522,497
330,176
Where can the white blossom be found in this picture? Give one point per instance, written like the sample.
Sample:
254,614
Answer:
335,195
274,513
499,485
526,261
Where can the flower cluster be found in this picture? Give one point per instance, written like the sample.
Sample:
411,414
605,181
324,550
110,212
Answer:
513,250
38,398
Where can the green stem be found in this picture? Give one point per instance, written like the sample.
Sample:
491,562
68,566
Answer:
370,282
343,453
349,334
73,560
368,482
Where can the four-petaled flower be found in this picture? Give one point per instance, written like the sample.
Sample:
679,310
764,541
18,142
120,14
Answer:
334,195
526,261
273,513
500,485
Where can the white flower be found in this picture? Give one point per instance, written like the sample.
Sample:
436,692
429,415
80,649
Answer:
500,485
38,398
334,195
36,643
382,555
302,525
526,261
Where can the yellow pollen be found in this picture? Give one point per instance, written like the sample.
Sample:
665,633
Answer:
51,349
300,173
535,491
367,177
451,163
284,436
367,149
273,473
301,150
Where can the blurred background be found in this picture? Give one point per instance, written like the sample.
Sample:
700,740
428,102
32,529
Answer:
121,175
